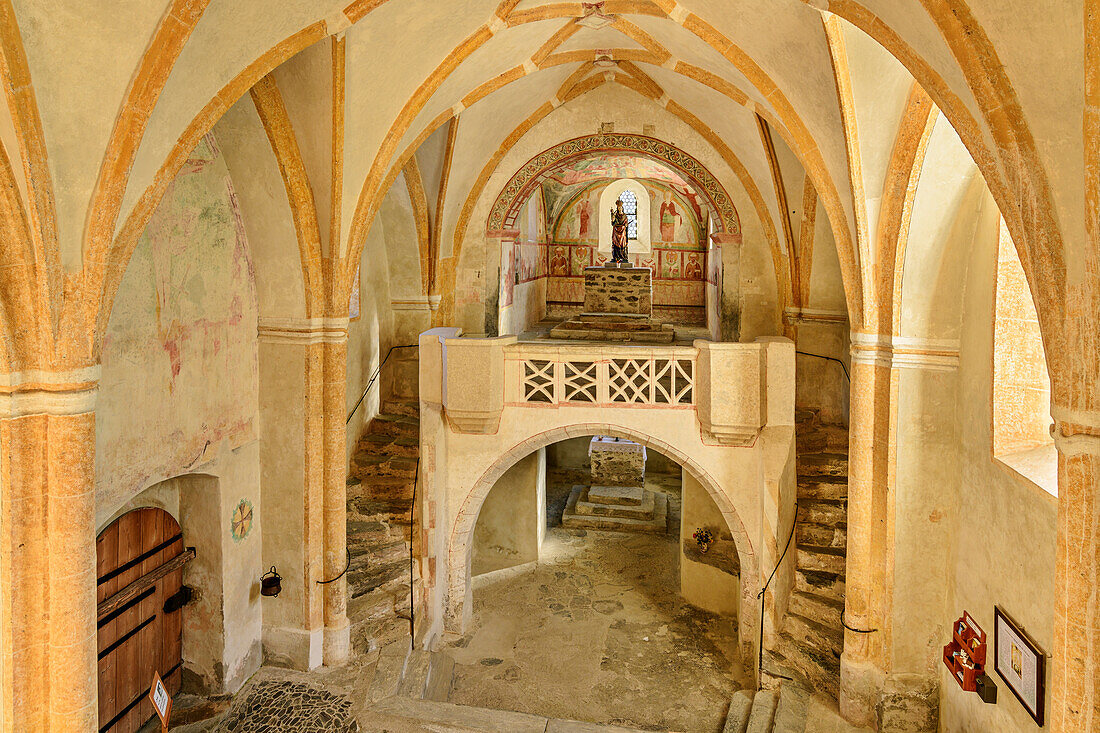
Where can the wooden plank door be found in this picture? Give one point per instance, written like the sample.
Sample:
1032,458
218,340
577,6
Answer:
137,637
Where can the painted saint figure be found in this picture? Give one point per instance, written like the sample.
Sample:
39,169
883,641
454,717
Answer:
618,233
669,217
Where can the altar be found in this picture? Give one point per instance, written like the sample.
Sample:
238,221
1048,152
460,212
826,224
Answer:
618,306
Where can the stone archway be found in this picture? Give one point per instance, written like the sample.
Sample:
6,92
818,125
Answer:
508,203
458,602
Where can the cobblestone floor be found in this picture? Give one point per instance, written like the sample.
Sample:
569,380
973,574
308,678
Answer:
599,632
280,706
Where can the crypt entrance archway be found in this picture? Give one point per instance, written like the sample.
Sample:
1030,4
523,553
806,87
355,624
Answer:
458,603
575,608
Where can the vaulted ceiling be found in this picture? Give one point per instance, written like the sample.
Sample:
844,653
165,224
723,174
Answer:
109,96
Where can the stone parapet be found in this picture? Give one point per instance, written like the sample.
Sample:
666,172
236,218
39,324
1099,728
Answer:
731,386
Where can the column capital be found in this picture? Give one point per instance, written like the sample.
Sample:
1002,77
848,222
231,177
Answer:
43,392
303,330
1075,432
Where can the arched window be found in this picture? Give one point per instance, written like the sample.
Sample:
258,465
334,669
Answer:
630,207
636,205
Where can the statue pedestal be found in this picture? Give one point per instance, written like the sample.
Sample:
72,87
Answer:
618,306
617,499
618,290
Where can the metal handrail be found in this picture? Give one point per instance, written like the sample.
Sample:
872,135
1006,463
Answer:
378,371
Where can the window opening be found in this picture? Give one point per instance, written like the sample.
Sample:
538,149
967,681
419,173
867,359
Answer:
630,208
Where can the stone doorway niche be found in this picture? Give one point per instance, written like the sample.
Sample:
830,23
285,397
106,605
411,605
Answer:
598,625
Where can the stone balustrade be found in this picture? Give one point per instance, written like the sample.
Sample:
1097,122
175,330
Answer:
724,383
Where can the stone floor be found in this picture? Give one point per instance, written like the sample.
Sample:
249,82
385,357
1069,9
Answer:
598,632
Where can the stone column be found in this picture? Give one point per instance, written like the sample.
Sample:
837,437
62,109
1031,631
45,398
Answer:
291,362
1075,689
337,641
48,556
863,661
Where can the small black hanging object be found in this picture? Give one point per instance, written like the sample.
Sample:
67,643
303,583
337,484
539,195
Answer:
271,583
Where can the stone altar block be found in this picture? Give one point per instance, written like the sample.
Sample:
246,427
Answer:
616,462
620,290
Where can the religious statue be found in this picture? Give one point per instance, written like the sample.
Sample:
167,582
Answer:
618,233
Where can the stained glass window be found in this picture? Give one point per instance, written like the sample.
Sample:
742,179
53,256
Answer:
630,208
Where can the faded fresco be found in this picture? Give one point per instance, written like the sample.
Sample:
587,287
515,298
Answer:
179,356
525,260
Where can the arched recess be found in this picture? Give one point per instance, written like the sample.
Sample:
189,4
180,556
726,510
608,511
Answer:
509,201
607,201
458,604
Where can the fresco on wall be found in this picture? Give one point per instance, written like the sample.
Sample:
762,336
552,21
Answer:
179,355
678,258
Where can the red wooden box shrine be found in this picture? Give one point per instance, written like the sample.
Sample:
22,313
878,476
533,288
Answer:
965,655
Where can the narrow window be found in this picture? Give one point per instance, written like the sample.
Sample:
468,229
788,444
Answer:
630,207
1021,385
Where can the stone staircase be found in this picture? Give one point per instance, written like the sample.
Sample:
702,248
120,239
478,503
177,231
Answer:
781,710
381,477
812,637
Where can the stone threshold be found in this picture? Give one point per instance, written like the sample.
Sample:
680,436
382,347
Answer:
465,717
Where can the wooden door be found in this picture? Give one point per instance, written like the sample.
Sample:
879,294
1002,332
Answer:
140,558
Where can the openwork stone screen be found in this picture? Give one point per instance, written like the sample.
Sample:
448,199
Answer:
616,381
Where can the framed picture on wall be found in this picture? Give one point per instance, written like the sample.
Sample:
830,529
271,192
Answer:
1020,663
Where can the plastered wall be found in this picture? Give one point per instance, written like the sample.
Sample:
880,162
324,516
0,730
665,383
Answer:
512,520
1004,529
179,358
177,415
370,333
703,585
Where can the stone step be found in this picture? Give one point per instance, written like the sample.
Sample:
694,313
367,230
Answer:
822,609
816,669
826,639
389,671
645,511
394,510
658,524
387,445
364,580
829,513
366,465
377,486
827,489
791,708
440,677
762,713
398,426
810,441
818,583
624,495
371,554
822,535
415,679
650,333
838,438
408,408
824,559
737,719
823,464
